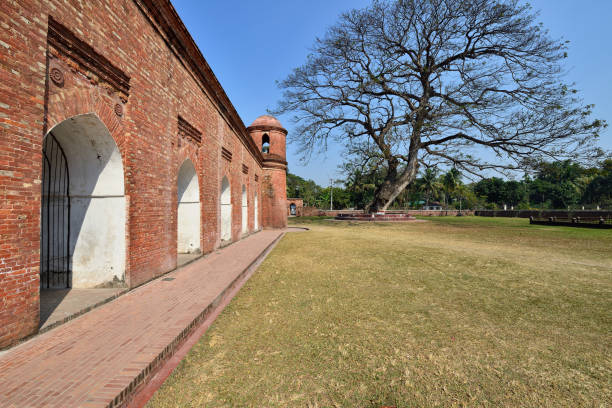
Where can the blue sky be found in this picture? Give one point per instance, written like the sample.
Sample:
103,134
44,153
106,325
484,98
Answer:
251,44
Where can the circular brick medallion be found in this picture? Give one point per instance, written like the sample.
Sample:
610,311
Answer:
118,109
57,76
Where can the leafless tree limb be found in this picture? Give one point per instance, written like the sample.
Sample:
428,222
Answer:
407,82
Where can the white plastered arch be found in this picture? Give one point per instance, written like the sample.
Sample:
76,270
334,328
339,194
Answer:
97,240
245,210
188,211
226,210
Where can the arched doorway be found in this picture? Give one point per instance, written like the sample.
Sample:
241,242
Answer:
83,206
255,213
245,211
188,212
226,210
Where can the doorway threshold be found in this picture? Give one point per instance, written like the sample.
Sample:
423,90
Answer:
57,306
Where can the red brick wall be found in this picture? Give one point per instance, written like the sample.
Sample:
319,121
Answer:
313,211
585,214
22,85
162,86
274,187
299,206
275,197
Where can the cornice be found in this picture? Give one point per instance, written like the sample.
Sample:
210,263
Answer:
178,39
187,130
276,162
266,128
66,42
226,154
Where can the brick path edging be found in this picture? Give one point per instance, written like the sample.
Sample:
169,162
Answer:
124,398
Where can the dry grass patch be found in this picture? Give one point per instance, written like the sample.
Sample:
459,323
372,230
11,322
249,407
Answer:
453,312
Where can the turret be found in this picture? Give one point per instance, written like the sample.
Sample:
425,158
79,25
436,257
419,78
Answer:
270,136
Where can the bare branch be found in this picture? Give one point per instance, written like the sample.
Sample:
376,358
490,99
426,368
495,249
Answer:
407,81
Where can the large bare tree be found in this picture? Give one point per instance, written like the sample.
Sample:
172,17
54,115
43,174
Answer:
411,82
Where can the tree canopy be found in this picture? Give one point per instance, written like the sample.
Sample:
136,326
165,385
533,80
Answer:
406,83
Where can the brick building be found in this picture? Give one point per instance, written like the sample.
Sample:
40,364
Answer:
119,149
295,207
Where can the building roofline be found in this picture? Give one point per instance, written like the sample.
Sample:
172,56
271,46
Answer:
265,128
179,40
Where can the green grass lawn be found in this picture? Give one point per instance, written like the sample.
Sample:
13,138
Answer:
452,312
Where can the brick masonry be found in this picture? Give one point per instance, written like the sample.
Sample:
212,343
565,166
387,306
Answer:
299,206
274,184
316,212
133,64
563,214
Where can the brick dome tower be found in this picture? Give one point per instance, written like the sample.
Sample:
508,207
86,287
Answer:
270,136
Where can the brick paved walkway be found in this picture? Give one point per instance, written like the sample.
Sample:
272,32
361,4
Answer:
57,305
97,359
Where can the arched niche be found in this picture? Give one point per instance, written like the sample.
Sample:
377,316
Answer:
226,210
265,143
245,211
255,212
188,211
92,228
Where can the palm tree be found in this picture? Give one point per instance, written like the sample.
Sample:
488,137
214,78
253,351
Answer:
430,184
461,191
450,180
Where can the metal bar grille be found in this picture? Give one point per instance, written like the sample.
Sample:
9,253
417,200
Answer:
55,217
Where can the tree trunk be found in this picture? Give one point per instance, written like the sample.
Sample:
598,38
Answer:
390,189
396,182
393,185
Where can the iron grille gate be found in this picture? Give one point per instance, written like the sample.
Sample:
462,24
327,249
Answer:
55,217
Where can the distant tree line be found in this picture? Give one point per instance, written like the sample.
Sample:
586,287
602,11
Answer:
559,185
317,196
